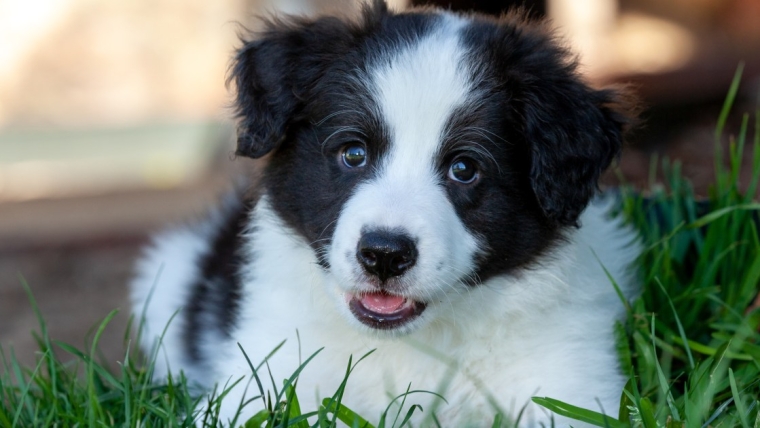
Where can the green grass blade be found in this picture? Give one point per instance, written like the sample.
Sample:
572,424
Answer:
256,420
409,414
95,407
647,413
729,101
710,351
403,401
720,410
302,419
26,388
579,414
681,331
294,410
740,408
255,370
294,376
718,214
50,360
126,386
274,386
614,283
497,421
663,382
403,397
6,423
337,398
346,415
738,150
626,400
623,349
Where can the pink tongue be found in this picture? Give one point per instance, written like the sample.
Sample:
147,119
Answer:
382,303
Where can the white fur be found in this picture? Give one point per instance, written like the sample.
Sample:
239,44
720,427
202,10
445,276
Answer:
546,333
406,194
159,291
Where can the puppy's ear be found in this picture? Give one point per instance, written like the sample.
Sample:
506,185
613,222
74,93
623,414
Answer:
575,132
262,74
274,73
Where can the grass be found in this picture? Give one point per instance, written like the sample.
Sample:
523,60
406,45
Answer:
690,346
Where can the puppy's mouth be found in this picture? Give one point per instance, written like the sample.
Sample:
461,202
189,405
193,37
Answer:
384,311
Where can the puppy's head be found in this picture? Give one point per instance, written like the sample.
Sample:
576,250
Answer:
422,153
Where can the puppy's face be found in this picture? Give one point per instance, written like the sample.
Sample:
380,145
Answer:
420,154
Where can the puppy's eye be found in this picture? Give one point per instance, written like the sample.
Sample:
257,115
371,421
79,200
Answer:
354,155
463,170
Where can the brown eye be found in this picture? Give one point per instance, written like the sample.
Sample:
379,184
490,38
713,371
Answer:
463,170
354,155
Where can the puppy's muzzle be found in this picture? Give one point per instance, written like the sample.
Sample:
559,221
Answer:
386,254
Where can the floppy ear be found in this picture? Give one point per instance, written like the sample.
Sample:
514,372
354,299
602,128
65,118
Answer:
274,73
575,132
265,100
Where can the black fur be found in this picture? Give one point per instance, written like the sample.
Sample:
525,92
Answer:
550,135
215,296
275,74
502,207
572,131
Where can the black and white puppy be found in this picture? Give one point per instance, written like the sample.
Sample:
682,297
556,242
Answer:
426,194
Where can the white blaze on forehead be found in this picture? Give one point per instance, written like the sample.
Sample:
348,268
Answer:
417,90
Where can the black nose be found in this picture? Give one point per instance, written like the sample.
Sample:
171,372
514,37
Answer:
386,254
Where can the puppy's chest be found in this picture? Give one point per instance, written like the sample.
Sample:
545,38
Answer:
468,381
466,372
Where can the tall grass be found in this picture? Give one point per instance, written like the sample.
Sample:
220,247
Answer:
690,346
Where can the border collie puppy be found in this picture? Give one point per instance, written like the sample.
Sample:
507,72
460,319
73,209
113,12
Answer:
426,195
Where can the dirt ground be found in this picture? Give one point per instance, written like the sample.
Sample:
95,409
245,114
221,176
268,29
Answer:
75,288
76,255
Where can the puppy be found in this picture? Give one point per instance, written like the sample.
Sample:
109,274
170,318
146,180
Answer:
425,195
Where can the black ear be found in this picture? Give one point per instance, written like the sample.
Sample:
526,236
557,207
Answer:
265,101
274,73
574,132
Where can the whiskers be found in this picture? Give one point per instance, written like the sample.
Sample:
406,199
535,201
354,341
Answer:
322,252
447,291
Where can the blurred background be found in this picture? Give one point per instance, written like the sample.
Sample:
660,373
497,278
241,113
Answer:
115,122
